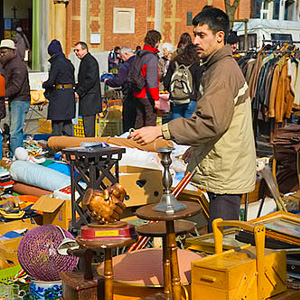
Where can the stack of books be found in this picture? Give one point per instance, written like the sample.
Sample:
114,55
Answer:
6,182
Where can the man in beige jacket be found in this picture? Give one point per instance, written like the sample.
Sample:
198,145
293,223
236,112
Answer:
220,131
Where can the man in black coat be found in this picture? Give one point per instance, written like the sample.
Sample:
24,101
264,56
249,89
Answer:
129,109
88,88
60,91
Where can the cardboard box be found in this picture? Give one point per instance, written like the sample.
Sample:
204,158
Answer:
9,248
55,211
45,126
143,185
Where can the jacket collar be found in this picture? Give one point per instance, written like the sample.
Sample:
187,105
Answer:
150,49
217,55
54,56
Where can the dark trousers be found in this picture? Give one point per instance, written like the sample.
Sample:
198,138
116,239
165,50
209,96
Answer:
62,127
89,125
128,113
145,113
225,206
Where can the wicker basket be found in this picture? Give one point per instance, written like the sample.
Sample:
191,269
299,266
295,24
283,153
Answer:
110,127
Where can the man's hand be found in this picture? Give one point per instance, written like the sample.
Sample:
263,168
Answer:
156,105
146,135
76,96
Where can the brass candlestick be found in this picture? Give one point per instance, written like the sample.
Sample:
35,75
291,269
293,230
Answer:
168,202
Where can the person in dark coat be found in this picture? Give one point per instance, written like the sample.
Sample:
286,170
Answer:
17,91
129,110
88,88
60,91
21,42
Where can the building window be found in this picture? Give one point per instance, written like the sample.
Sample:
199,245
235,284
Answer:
189,18
124,19
257,7
276,9
263,9
289,9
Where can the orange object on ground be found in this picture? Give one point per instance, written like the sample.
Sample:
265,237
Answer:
2,86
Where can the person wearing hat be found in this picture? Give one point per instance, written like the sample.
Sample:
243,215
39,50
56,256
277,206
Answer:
17,91
60,91
232,40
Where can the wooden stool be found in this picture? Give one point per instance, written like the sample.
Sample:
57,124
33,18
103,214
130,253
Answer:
83,287
172,284
158,229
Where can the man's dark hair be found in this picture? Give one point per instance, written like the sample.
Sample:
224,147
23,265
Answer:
152,37
216,19
117,48
83,45
205,7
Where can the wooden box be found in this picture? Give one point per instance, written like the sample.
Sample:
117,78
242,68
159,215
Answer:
233,275
249,273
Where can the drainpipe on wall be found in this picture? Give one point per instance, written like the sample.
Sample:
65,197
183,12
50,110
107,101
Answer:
157,22
35,35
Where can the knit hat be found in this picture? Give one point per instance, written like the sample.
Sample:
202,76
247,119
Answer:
54,47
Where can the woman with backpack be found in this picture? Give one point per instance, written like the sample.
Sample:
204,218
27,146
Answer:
182,81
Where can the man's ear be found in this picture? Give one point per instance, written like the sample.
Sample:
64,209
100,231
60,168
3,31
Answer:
220,36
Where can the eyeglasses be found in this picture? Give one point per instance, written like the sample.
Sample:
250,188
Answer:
76,50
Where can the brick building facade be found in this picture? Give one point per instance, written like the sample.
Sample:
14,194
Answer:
88,19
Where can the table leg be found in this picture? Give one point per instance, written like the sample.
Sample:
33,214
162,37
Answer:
108,275
166,268
172,247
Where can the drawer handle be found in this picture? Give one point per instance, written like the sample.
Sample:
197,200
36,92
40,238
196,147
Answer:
208,279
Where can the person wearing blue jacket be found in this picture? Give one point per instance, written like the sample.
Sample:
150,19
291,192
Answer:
129,109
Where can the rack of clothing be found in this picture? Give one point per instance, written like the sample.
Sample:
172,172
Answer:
273,76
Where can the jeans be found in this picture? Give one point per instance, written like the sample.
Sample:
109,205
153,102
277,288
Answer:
18,110
225,206
183,110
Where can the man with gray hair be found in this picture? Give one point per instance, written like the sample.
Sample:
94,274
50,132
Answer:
129,110
164,62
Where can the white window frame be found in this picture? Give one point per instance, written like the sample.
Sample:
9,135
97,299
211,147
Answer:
268,10
132,21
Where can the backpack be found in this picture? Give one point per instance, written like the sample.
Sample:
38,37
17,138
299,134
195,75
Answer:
135,80
181,85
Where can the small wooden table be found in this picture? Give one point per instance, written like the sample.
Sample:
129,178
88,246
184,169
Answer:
172,278
107,245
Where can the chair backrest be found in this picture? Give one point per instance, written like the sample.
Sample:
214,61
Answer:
273,187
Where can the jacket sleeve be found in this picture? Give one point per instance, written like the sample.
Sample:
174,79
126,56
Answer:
91,76
211,120
13,87
120,79
152,78
52,78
